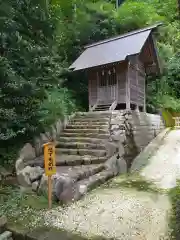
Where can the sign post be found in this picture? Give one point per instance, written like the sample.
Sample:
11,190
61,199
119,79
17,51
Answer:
50,167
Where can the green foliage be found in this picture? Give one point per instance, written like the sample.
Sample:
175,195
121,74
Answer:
175,216
134,182
169,103
29,64
95,20
133,15
22,208
40,39
58,104
173,74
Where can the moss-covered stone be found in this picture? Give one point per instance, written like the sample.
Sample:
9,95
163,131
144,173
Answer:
133,181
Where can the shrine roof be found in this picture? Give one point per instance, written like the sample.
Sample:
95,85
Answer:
114,49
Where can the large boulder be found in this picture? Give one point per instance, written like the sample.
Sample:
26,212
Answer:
121,149
35,186
27,152
122,165
111,148
64,189
19,165
119,136
4,173
3,223
23,177
43,185
28,175
116,164
111,164
35,173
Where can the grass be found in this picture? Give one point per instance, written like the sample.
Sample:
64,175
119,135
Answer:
24,212
174,221
22,208
134,182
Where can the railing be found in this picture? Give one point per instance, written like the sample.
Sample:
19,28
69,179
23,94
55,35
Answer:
171,119
94,107
177,122
113,106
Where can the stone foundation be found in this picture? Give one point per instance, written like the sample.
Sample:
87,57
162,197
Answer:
90,149
4,234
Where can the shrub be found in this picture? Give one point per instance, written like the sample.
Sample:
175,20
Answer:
59,103
175,216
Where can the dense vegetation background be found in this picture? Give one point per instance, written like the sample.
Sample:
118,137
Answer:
39,39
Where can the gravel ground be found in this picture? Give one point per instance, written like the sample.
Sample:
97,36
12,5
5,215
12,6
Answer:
115,213
123,213
164,167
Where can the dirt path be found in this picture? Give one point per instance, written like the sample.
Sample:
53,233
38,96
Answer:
164,167
118,212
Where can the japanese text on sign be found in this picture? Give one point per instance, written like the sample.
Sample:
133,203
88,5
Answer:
49,159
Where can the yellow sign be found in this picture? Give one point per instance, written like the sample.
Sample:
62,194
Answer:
49,159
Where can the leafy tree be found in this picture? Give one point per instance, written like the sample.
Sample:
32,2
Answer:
39,41
28,66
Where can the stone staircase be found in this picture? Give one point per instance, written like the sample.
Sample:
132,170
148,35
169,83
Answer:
81,156
102,107
92,148
84,136
82,147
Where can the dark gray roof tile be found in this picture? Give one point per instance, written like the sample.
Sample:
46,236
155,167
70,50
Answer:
113,49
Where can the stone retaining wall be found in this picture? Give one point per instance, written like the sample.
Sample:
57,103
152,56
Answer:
145,128
128,132
51,135
132,131
34,150
4,234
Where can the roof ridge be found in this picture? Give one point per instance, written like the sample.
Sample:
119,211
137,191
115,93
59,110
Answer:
123,35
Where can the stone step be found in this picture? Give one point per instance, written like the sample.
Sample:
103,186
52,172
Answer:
87,126
98,114
85,134
103,107
83,180
5,235
81,152
80,139
78,173
3,223
89,123
80,145
89,119
100,109
93,181
86,131
69,160
75,160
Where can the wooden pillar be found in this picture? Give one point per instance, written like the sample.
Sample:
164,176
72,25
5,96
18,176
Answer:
128,88
137,83
88,76
144,107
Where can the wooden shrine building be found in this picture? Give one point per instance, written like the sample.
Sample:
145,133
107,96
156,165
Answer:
117,68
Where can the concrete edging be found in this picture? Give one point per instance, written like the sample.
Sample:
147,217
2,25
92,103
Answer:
149,150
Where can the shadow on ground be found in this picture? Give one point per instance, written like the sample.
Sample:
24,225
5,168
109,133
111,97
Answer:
133,182
45,233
